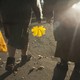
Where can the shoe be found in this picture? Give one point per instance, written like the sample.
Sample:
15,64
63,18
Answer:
63,66
60,71
76,72
10,64
77,65
24,59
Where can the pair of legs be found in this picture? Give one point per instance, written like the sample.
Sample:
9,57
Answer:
17,39
10,64
61,69
63,65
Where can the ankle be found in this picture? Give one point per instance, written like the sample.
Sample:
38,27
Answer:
10,63
64,61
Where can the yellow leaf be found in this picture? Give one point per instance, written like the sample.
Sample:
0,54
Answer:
38,31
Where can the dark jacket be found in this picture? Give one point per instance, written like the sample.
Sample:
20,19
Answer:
16,16
66,32
56,6
16,11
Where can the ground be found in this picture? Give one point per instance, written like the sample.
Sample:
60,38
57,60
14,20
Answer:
42,64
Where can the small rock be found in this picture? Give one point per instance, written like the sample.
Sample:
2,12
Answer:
41,68
22,77
18,61
34,68
39,56
15,72
70,63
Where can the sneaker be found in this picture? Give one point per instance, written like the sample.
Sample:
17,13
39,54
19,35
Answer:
10,64
24,59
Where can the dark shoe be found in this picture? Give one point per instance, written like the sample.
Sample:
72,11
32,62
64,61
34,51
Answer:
77,65
60,71
10,64
25,59
63,66
76,72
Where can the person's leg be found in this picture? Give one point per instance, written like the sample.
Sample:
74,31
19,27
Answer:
11,58
24,51
11,51
63,64
76,72
60,70
77,69
25,57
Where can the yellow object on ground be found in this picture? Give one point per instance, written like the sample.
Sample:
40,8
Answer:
3,46
38,31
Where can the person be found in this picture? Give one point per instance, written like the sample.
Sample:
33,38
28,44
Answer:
16,16
66,33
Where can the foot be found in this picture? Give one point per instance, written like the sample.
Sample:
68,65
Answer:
60,71
62,65
10,64
24,59
77,66
76,72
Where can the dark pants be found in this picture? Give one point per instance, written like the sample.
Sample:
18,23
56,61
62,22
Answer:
17,35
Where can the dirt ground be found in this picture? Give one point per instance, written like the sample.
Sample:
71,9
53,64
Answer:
42,64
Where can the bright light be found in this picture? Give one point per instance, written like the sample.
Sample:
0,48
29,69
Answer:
76,6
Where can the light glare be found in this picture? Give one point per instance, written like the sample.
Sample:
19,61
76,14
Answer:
76,6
